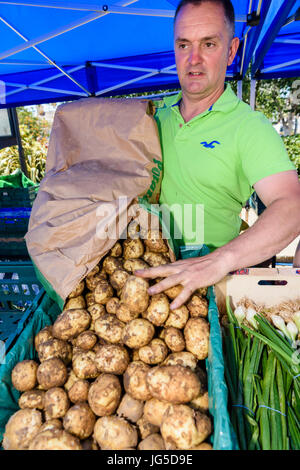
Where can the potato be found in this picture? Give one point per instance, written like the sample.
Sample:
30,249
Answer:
55,439
24,374
55,347
174,384
32,399
135,355
44,335
112,358
202,291
154,410
130,408
146,428
103,292
155,243
105,394
96,311
158,309
132,265
80,421
71,379
75,302
183,358
124,314
89,299
112,305
196,334
134,380
52,373
71,323
84,365
111,263
93,271
79,391
198,306
135,294
154,352
89,444
77,291
201,403
137,333
56,402
109,328
21,428
178,317
86,340
114,433
174,339
93,281
155,259
184,428
133,248
174,291
118,278
51,424
116,250
203,446
152,442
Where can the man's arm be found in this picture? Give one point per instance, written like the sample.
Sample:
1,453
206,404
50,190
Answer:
276,227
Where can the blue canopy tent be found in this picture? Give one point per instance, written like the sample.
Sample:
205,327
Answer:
58,50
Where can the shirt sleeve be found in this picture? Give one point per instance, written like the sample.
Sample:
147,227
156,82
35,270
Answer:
261,149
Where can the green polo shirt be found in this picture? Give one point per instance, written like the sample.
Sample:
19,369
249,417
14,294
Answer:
211,163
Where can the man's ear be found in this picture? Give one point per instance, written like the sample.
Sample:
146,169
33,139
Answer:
234,45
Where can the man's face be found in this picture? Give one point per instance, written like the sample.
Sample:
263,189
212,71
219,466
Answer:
203,49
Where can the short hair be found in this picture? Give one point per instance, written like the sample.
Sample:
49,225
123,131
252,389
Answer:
227,5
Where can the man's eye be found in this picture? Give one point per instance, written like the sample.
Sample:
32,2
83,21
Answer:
209,44
182,46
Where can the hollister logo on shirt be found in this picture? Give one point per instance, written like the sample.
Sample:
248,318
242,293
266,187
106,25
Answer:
210,145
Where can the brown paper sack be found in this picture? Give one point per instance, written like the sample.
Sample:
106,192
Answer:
99,150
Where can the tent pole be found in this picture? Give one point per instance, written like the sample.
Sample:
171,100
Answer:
252,94
240,89
19,141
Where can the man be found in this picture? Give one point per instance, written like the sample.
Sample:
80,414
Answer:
216,150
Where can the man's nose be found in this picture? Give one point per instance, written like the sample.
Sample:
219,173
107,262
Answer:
195,55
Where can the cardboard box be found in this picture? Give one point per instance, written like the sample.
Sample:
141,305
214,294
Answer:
269,286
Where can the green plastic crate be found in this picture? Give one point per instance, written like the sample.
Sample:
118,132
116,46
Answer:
13,250
17,197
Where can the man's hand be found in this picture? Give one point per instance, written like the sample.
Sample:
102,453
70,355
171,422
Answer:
191,273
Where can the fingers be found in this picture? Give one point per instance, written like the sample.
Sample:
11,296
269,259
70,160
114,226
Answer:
182,297
164,284
159,271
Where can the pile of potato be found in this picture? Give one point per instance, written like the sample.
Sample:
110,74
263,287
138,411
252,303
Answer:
118,369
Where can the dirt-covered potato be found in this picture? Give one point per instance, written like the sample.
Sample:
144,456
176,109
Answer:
152,442
154,410
135,294
96,311
201,403
52,373
174,291
80,420
21,428
124,314
109,328
130,408
75,302
105,394
112,305
92,281
183,358
198,306
71,379
84,365
111,263
56,402
155,259
133,248
24,375
158,309
51,424
55,347
174,339
134,380
135,355
103,292
112,358
71,323
89,299
79,391
203,446
86,340
154,352
89,444
43,335
116,250
118,278
146,428
174,384
93,271
196,334
137,333
184,428
114,433
155,243
55,439
77,291
132,265
178,317
32,399
202,291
